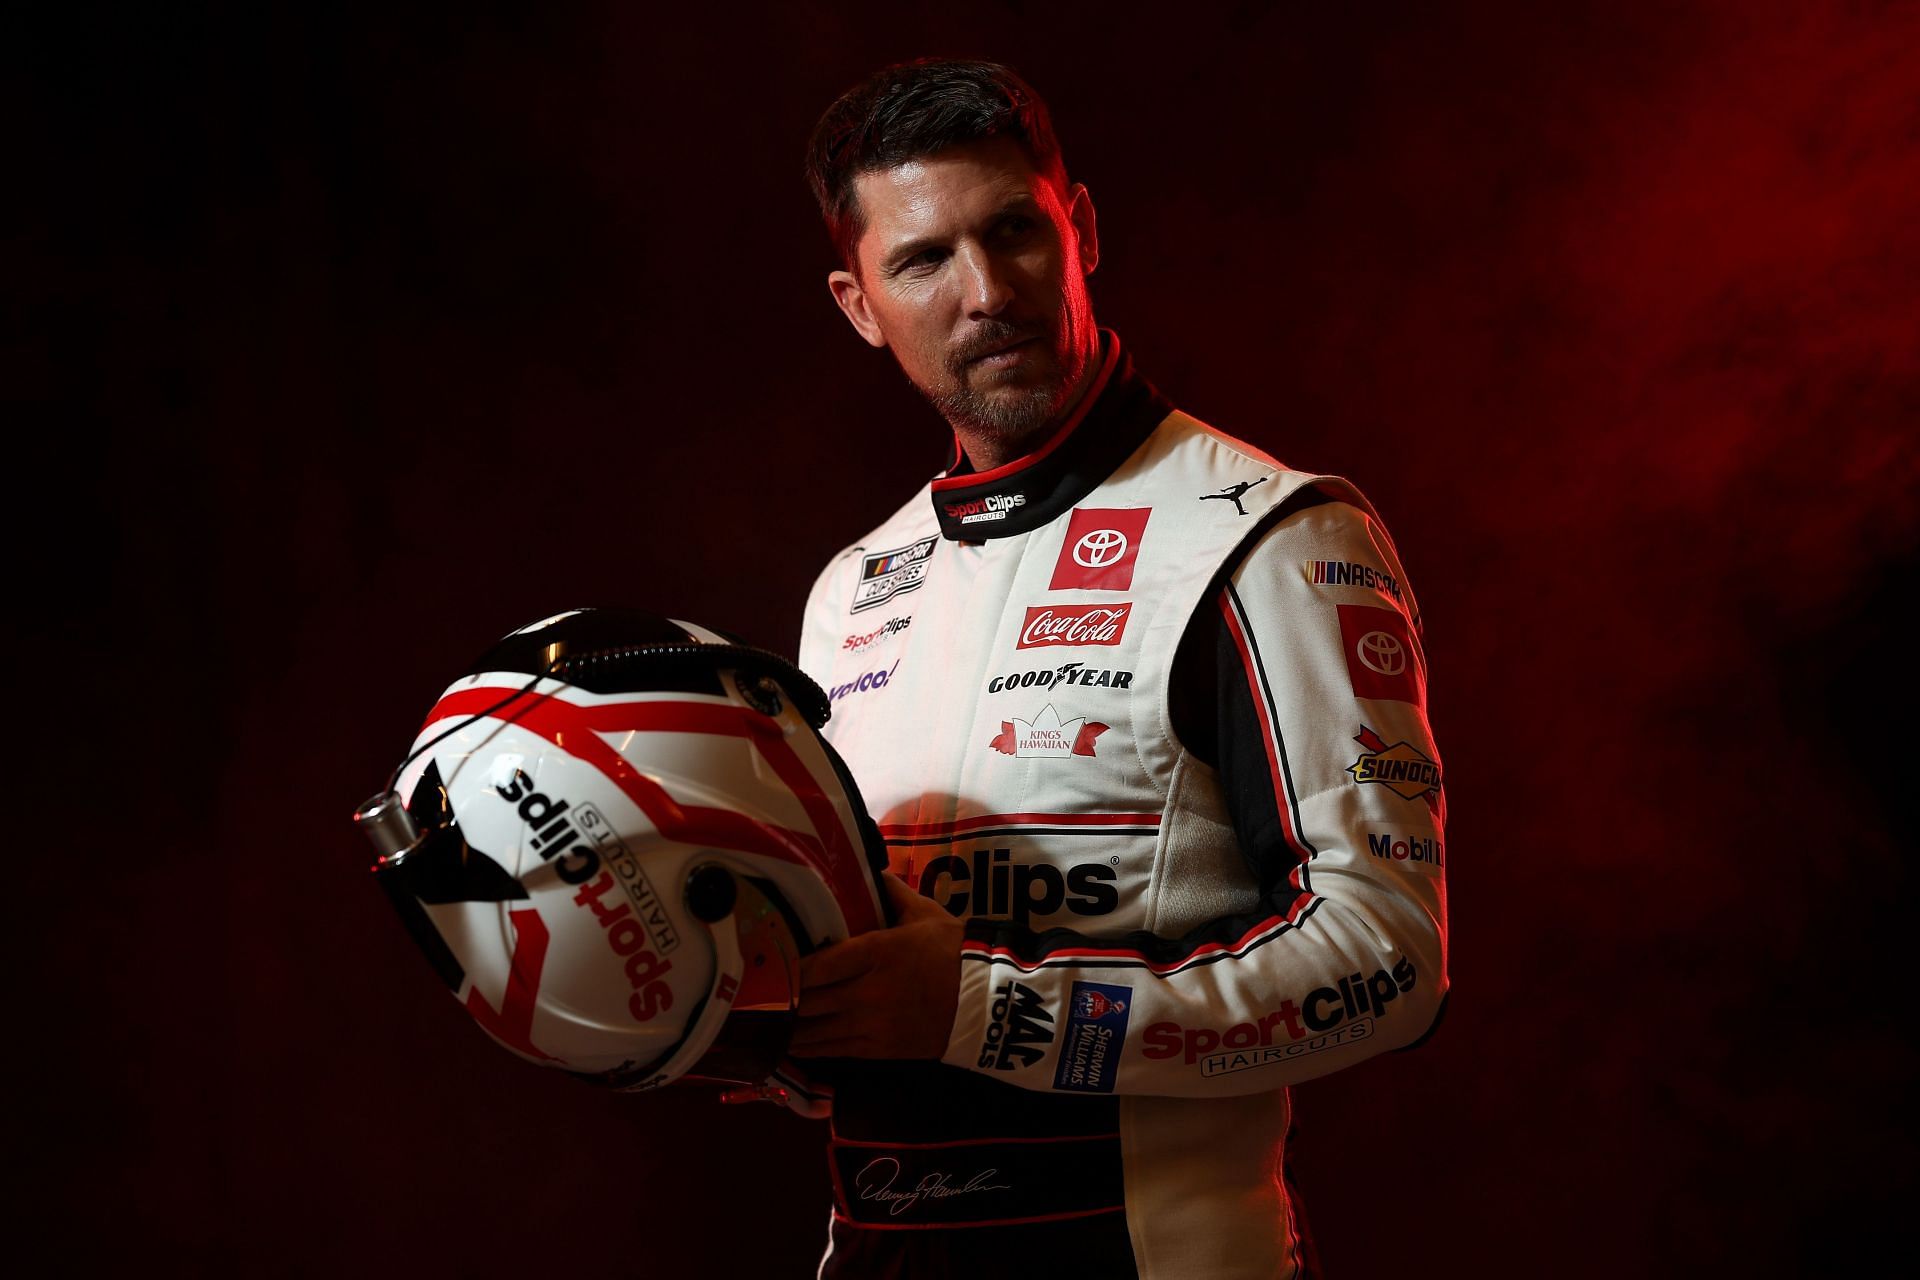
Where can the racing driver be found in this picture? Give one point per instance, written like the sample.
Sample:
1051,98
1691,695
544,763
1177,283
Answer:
1141,715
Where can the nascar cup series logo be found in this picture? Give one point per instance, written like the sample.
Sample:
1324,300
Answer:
887,574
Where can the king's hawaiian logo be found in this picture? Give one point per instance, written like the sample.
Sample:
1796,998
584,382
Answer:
1047,735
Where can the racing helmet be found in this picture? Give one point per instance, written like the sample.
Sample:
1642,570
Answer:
615,837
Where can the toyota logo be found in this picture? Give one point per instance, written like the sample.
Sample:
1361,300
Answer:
1100,548
1380,652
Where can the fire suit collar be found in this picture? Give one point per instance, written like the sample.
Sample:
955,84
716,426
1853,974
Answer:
1118,412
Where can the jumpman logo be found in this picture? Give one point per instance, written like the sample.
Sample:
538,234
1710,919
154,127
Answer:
1233,491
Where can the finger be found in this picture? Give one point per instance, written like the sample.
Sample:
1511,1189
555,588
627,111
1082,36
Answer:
821,1002
908,904
809,1034
837,963
843,1047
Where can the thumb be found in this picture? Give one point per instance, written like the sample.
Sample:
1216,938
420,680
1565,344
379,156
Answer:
908,905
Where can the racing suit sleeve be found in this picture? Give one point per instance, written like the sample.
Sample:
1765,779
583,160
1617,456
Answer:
1333,782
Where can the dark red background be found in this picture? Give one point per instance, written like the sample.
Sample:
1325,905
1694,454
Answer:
344,343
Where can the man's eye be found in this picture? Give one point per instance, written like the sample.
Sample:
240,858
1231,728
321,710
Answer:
924,260
1015,227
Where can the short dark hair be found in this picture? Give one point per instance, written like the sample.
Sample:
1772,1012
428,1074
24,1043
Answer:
912,110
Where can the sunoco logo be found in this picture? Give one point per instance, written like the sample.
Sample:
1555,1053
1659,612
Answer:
1402,769
1073,624
1020,1031
995,506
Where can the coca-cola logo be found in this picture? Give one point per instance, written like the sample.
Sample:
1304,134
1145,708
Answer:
1074,624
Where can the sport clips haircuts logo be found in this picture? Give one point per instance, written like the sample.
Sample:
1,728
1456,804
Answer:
1073,625
887,574
1401,768
992,885
628,927
1020,1031
995,506
1328,1018
885,631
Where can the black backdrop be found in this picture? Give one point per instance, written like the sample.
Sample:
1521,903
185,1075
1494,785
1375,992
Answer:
342,341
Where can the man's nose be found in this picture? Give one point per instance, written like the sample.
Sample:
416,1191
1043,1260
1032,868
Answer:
988,289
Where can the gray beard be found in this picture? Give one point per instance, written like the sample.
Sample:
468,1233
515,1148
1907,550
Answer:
1008,419
1002,417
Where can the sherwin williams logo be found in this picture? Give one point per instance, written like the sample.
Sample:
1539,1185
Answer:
1402,769
1047,736
887,574
1096,1029
1100,548
1074,624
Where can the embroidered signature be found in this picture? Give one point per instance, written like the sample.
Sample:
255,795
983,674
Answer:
935,1186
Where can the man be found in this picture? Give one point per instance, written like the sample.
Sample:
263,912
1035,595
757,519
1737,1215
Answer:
1140,714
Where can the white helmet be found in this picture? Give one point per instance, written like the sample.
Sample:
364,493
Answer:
619,834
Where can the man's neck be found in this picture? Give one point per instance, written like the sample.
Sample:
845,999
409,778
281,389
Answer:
987,451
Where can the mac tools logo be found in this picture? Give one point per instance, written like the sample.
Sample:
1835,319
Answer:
1074,624
1100,548
1046,736
1020,1031
890,573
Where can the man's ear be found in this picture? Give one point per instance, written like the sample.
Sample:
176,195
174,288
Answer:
852,300
1080,214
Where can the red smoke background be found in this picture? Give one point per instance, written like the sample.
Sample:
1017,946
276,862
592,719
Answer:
345,341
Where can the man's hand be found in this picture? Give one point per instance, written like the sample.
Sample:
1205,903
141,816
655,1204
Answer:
886,994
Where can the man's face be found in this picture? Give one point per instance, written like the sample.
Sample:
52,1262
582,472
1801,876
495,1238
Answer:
973,270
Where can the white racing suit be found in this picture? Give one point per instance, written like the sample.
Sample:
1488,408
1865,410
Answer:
1149,710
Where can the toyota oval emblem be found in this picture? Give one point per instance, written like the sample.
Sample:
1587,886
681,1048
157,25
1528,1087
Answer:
1100,548
1380,652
